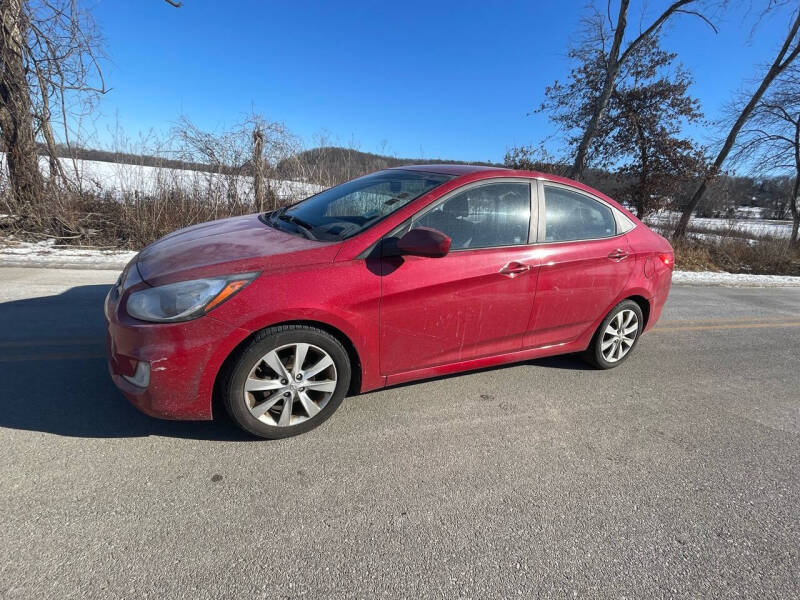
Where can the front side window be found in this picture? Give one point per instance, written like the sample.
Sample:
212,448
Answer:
573,216
345,210
487,216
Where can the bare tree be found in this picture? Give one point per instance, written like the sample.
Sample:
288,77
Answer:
49,72
786,56
254,147
16,121
770,140
50,76
581,105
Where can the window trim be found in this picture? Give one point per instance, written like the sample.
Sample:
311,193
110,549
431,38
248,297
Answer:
619,230
533,193
536,233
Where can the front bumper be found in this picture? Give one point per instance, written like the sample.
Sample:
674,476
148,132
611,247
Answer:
184,360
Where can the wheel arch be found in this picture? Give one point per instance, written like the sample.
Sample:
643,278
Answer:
644,305
349,346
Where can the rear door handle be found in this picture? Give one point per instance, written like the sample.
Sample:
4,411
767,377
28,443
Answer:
618,255
514,268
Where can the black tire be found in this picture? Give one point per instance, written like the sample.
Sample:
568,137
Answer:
233,380
594,354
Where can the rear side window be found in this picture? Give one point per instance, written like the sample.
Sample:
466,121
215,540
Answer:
488,216
573,216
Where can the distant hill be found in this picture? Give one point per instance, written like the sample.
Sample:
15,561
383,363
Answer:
330,160
341,164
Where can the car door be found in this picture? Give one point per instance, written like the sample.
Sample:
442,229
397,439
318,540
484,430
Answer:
585,264
476,300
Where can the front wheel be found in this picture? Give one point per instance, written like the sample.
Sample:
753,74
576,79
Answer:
286,381
616,337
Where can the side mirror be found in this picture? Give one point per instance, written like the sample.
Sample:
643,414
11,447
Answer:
424,241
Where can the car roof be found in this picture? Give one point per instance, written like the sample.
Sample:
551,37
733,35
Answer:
450,169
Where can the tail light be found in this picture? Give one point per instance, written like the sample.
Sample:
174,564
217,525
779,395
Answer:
668,260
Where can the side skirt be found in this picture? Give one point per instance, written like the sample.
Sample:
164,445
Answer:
578,345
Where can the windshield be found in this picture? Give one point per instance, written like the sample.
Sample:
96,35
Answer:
345,210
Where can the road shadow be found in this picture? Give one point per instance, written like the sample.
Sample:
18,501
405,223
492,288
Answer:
54,378
570,362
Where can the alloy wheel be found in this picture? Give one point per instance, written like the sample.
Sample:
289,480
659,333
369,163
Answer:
290,384
619,336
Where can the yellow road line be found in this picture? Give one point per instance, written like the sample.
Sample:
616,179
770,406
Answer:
701,321
732,326
64,342
59,356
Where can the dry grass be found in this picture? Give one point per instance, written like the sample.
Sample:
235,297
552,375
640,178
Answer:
765,256
102,221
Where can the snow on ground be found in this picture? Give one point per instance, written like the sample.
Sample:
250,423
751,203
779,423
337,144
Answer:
48,254
119,179
734,279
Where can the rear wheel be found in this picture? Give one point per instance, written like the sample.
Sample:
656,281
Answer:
287,381
616,337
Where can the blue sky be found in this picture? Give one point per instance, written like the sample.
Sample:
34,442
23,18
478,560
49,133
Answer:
424,79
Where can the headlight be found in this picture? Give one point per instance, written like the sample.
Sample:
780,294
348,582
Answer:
186,299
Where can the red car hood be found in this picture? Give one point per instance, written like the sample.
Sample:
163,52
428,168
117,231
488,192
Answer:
238,243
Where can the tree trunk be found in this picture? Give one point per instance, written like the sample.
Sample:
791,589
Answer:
56,170
612,70
793,241
775,69
258,171
16,120
642,200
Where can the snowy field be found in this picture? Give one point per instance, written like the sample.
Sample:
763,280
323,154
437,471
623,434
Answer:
747,228
121,179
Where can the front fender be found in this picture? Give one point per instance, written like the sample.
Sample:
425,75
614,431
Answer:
344,296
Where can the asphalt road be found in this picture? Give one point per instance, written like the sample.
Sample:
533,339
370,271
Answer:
674,476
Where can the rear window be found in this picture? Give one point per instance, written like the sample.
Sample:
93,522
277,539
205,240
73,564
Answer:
572,216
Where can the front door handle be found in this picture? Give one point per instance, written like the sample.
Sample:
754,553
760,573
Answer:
618,255
514,268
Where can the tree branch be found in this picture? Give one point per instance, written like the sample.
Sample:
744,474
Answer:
700,15
653,27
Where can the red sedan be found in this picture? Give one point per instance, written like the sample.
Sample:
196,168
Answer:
400,275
